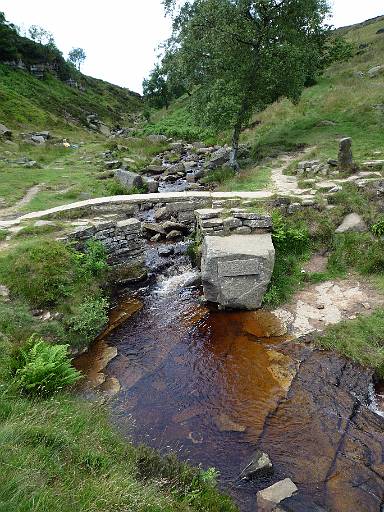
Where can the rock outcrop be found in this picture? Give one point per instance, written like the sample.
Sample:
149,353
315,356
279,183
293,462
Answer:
345,159
326,415
352,223
129,179
237,269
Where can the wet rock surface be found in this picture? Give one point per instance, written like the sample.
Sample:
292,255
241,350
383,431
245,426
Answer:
326,439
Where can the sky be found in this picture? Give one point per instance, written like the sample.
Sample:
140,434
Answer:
121,38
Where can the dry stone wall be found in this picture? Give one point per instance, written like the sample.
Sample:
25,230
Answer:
122,240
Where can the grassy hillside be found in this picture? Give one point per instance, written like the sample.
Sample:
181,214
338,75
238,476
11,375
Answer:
340,104
27,102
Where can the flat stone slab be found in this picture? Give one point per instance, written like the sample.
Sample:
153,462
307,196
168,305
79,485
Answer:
237,269
268,498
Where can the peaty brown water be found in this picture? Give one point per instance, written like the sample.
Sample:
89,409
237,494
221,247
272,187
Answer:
199,381
214,386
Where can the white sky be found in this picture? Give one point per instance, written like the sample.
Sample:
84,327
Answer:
121,37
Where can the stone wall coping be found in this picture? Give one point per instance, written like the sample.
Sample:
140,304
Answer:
165,197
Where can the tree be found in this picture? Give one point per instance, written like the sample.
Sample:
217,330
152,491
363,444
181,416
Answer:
155,88
77,56
238,56
40,35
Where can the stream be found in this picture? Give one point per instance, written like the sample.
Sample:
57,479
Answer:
214,386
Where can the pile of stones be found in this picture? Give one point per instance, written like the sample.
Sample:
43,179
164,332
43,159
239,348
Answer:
221,222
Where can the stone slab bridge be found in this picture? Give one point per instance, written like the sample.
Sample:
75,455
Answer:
237,249
129,203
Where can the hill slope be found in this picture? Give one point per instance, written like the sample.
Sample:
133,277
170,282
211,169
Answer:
26,101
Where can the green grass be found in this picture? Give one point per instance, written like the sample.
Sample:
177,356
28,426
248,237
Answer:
69,175
249,179
362,340
62,455
44,273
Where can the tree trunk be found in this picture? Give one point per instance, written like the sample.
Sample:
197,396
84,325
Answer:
236,136
235,147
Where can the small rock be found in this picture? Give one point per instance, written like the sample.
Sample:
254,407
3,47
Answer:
259,465
41,223
38,139
161,213
156,237
173,235
352,223
153,186
165,250
226,424
196,437
268,498
113,164
4,292
376,71
32,164
5,132
380,31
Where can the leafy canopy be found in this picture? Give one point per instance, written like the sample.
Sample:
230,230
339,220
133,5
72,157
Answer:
77,56
238,56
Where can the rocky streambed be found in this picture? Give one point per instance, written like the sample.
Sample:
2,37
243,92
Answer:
220,388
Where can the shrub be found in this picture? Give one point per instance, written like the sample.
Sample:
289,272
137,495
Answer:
43,369
90,318
92,262
378,228
39,271
292,245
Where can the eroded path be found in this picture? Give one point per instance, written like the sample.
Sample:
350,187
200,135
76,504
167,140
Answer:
27,198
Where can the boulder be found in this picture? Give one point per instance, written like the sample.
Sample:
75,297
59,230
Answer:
104,129
376,71
129,179
155,169
38,139
345,159
237,269
380,31
352,223
259,465
269,498
153,186
157,138
219,158
5,132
